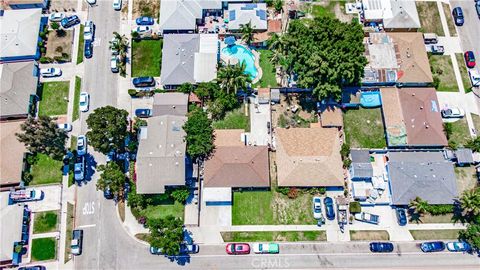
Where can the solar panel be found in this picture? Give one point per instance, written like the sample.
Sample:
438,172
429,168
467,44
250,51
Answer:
231,15
249,7
262,14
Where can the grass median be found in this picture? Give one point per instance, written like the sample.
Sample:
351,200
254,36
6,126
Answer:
268,236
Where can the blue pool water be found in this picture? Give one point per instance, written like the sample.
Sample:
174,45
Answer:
370,99
243,55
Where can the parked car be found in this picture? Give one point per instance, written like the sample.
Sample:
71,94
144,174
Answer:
117,4
381,247
458,16
33,267
77,242
330,211
50,72
88,51
91,2
89,31
367,217
56,17
114,64
143,113
469,59
70,21
317,208
142,30
458,246
401,216
84,101
436,49
81,145
144,20
453,112
65,126
113,42
144,82
430,38
156,251
435,246
474,77
237,248
266,248
189,248
79,168
477,8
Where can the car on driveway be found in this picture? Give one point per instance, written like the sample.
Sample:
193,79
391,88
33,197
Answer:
70,21
84,101
89,31
458,246
237,248
143,82
317,208
117,4
329,210
453,112
156,251
50,72
143,113
474,77
401,216
77,241
458,16
144,20
381,247
56,17
469,59
435,246
81,145
272,248
88,51
143,29
65,127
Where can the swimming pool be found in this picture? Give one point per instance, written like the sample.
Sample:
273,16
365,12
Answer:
243,55
370,99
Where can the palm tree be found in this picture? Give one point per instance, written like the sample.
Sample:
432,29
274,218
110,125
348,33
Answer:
120,44
247,32
419,208
233,78
470,203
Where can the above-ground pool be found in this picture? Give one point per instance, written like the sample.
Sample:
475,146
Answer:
243,55
370,99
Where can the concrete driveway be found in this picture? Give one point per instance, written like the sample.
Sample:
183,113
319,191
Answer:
260,115
51,201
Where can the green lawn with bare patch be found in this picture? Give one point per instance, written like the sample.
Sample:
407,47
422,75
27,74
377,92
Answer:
268,236
369,235
364,128
435,234
442,70
429,18
467,84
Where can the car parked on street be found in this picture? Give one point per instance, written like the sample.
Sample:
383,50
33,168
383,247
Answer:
79,168
477,8
88,50
77,242
117,4
469,59
143,113
458,16
114,64
156,251
317,208
144,20
91,2
70,21
89,30
453,112
143,82
458,246
84,101
65,127
81,145
33,267
189,248
329,209
237,248
50,72
56,17
271,248
107,193
381,247
474,77
435,246
401,216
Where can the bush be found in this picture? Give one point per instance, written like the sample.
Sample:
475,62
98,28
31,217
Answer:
45,60
132,92
61,33
345,151
283,190
293,193
59,49
355,207
55,25
180,194
440,209
346,163
436,82
319,190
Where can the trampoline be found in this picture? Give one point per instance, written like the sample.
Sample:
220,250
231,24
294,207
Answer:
370,99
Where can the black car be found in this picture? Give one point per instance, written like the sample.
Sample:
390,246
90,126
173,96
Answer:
435,246
401,216
144,82
33,267
330,212
70,21
143,113
458,16
77,242
381,247
88,49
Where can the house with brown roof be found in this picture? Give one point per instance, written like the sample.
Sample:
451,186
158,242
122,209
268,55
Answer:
309,157
11,154
412,117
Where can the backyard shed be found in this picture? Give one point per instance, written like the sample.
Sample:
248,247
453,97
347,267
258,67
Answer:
464,156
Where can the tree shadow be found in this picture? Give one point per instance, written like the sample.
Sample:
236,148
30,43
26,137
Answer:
180,260
414,216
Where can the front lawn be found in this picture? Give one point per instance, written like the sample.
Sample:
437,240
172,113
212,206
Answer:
268,70
54,98
369,235
448,15
80,45
476,121
268,236
46,170
166,208
44,249
467,84
146,58
429,218
442,71
435,234
45,222
76,98
429,18
459,135
235,119
364,128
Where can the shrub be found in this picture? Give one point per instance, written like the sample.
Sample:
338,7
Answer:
180,194
292,193
61,33
132,92
55,25
319,190
59,49
43,50
436,82
283,190
346,163
45,60
355,207
440,209
345,151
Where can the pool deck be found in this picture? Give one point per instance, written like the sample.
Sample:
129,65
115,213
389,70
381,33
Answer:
233,61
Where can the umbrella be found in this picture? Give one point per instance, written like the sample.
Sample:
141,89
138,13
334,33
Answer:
230,40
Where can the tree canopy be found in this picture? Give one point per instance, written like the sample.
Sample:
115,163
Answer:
324,53
247,32
199,136
166,234
108,129
232,78
112,177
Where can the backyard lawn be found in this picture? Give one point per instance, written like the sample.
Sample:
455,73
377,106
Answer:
429,18
463,71
54,98
442,69
234,120
166,208
466,178
268,70
146,58
364,128
435,234
45,222
80,45
46,171
369,235
268,236
448,15
76,98
460,134
44,249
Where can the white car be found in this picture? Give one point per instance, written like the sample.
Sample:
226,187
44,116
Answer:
143,29
317,208
81,145
474,77
114,41
453,113
91,2
56,16
262,248
65,126
84,101
117,4
50,72
89,30
114,63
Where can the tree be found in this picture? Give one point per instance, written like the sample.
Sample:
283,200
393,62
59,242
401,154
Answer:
55,25
470,203
419,208
471,235
186,88
205,90
43,136
108,129
180,194
278,5
199,132
474,144
247,32
325,54
222,103
111,177
120,44
166,234
232,78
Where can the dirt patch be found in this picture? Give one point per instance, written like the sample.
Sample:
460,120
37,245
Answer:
293,211
430,18
64,5
369,235
339,11
466,178
150,8
294,111
60,45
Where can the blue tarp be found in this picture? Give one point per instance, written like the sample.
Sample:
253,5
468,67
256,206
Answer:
230,40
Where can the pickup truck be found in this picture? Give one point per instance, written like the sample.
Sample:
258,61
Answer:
367,217
436,49
474,77
265,248
27,195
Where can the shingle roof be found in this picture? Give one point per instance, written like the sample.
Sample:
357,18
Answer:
331,117
11,154
404,15
240,14
361,165
182,15
228,137
464,155
170,104
360,156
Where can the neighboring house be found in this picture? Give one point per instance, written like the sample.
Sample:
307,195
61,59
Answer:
396,58
253,13
170,104
24,4
19,34
421,174
391,15
11,154
189,58
309,157
180,16
361,168
18,87
412,118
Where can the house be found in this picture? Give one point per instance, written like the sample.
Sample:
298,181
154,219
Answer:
11,155
19,34
391,15
18,89
396,58
180,16
412,118
170,104
242,13
24,4
464,156
189,58
421,174
361,168
309,157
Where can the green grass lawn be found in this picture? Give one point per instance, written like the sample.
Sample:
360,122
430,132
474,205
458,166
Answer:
369,235
268,76
146,58
467,84
76,98
429,218
324,11
234,120
364,128
53,100
274,236
442,68
429,18
44,249
46,171
80,46
252,208
45,222
460,134
435,234
448,15
175,209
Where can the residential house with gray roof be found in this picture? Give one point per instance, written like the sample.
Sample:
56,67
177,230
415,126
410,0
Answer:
391,15
361,168
182,16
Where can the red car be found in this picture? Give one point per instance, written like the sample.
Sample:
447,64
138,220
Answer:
469,59
238,248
